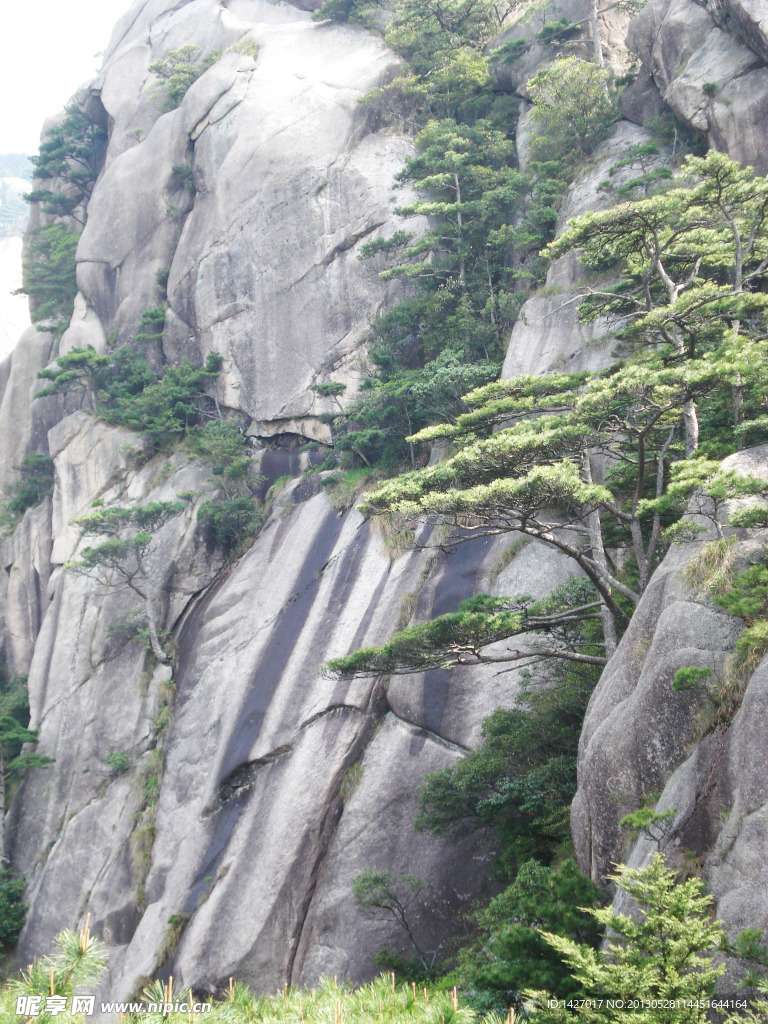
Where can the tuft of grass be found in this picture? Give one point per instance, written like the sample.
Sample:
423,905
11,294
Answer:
343,489
396,535
709,571
246,46
751,648
277,487
407,608
506,557
172,937
350,781
119,761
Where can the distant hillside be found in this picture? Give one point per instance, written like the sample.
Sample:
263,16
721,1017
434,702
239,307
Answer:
16,165
14,309
15,178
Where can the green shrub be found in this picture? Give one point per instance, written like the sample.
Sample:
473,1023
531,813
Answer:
165,409
222,446
231,521
511,955
573,110
119,761
72,152
125,390
690,678
246,46
179,70
36,483
151,323
183,178
13,909
663,954
50,277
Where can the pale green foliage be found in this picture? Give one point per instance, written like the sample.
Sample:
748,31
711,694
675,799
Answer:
246,46
179,70
572,111
666,954
394,895
81,959
692,257
122,560
78,960
654,825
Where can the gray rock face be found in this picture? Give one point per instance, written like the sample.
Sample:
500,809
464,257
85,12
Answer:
286,183
278,785
547,335
686,50
613,29
256,789
641,739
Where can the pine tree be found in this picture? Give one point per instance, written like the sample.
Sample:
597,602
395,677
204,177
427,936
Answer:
124,559
663,958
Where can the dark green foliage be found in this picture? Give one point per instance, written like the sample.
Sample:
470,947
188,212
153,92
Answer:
521,779
49,277
183,178
690,678
167,408
120,378
162,283
488,220
221,445
124,389
558,626
405,970
14,734
557,31
151,325
109,520
663,956
71,152
330,390
13,909
78,372
119,761
747,595
36,483
179,70
375,426
750,950
511,955
231,520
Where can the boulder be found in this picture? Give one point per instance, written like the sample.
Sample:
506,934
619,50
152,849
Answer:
714,77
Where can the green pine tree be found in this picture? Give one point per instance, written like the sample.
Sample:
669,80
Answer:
663,958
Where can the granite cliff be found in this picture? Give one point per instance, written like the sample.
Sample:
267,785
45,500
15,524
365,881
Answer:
275,785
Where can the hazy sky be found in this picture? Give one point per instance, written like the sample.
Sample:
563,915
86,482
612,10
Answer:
47,50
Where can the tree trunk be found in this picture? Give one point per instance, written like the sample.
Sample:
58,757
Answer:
597,43
154,640
691,421
460,226
595,528
3,858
